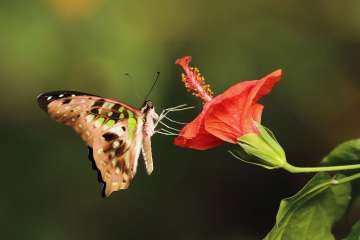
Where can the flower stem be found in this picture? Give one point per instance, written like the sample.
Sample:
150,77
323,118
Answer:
294,169
348,179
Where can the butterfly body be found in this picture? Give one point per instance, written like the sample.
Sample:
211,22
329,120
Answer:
115,131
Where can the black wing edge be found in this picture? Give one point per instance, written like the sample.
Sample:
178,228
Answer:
45,98
93,165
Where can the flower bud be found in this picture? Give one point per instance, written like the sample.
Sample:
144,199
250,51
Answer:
264,147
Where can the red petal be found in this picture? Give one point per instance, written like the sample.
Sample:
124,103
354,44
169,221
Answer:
256,112
232,114
200,142
194,136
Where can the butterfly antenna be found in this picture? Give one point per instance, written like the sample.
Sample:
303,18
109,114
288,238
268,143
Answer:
156,78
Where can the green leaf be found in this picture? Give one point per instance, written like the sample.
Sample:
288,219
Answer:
344,154
310,213
355,232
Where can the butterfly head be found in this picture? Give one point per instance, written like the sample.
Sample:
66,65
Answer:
148,109
147,106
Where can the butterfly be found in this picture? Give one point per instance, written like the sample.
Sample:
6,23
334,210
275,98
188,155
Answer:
115,132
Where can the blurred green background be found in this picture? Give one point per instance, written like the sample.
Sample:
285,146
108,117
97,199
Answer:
49,190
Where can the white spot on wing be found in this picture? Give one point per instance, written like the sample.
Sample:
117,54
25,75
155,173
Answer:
49,98
61,95
116,144
89,118
108,105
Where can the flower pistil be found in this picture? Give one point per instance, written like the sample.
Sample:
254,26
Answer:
194,81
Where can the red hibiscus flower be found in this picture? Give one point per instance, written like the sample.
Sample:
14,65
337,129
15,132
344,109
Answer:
234,117
226,117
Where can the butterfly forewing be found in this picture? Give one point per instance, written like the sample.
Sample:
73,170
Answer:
111,128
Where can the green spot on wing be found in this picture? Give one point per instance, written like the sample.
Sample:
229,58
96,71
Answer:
131,114
109,124
131,127
99,121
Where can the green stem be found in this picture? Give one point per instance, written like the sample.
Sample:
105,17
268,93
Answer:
294,169
348,179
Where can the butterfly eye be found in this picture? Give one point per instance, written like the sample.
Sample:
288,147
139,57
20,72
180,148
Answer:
150,104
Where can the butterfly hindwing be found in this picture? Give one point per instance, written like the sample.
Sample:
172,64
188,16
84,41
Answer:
111,128
116,155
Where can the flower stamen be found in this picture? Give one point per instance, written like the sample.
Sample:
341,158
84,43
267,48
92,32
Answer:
194,81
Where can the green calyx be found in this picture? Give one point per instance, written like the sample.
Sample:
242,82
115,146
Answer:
262,148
